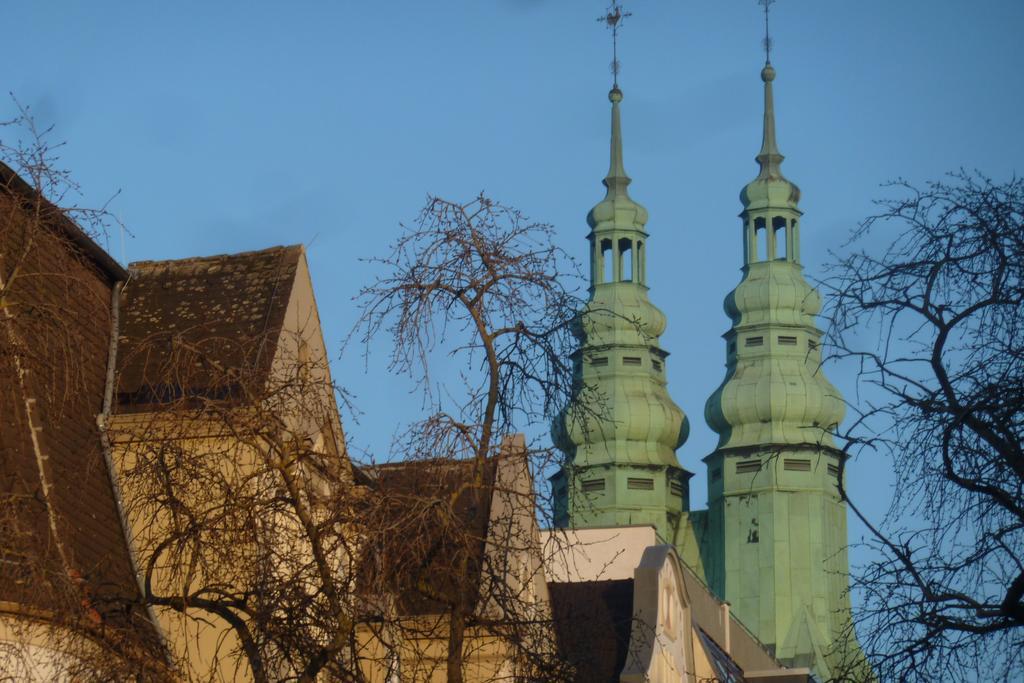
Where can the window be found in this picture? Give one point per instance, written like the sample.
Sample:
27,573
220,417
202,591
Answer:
656,364
833,470
761,240
599,362
676,488
748,466
607,257
754,341
626,259
716,474
631,360
796,465
638,484
590,485
787,341
779,232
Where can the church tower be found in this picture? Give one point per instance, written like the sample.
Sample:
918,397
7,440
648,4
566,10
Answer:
621,431
776,542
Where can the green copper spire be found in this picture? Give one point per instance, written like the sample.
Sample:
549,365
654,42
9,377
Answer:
620,432
774,391
769,157
616,181
776,542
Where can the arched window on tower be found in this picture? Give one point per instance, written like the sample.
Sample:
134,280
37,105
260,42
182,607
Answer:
760,240
607,256
781,238
626,259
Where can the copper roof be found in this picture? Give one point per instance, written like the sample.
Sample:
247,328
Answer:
225,313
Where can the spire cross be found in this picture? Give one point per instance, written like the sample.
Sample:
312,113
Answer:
767,4
613,18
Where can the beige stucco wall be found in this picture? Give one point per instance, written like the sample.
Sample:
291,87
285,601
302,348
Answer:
598,554
203,642
198,639
26,650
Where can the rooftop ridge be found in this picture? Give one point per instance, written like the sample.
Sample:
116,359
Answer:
280,248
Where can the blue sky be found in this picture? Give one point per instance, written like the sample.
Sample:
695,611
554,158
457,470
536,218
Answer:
233,126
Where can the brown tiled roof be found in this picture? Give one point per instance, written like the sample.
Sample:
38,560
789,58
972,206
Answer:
593,621
15,185
418,538
61,539
225,313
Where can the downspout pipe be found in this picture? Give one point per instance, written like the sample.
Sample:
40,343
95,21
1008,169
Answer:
103,423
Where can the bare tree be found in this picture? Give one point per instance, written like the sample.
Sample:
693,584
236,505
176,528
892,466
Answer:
248,522
481,284
235,480
256,551
40,220
942,400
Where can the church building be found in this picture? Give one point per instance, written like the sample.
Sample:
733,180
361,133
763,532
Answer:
772,542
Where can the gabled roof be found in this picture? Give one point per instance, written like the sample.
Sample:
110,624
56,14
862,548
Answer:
224,314
58,220
62,546
430,514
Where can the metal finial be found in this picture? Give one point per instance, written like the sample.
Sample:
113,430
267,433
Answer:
613,19
767,4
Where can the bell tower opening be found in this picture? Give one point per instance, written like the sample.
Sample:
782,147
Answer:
607,262
626,259
761,252
781,238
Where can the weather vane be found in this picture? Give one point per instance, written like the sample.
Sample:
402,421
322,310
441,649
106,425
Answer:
767,4
613,19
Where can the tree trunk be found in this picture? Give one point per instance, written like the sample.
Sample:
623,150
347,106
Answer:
456,636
